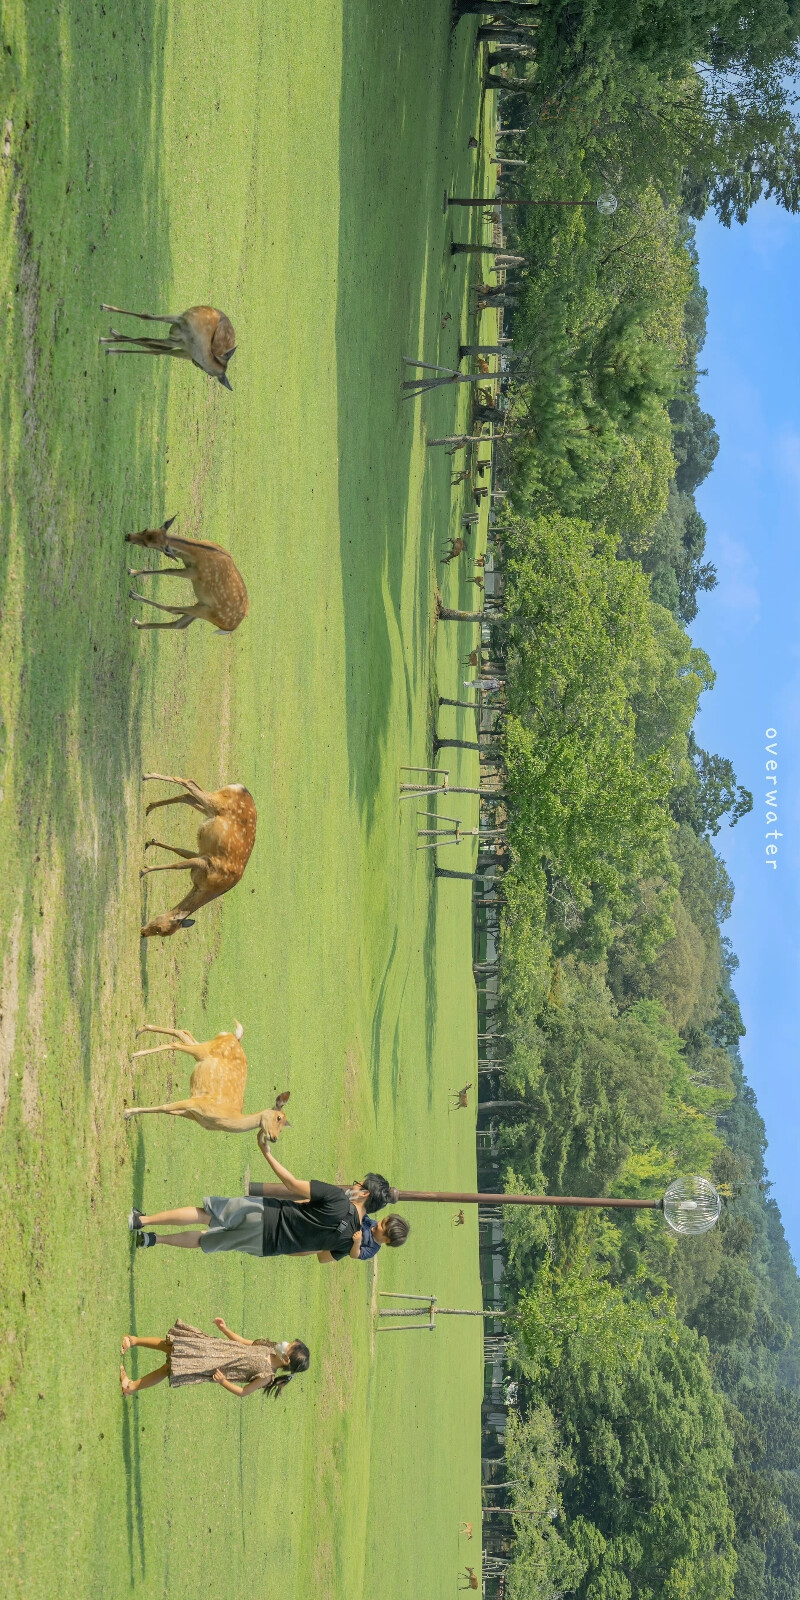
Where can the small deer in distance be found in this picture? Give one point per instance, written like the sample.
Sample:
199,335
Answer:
460,1101
224,842
472,1579
217,583
466,1527
454,549
201,335
217,1085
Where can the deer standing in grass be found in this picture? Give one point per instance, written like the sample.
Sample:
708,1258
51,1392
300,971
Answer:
454,550
224,842
466,1527
460,1101
218,585
217,1085
201,335
471,1577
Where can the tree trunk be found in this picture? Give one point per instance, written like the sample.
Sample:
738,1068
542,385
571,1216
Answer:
453,744
460,439
467,705
496,8
501,1105
447,614
444,872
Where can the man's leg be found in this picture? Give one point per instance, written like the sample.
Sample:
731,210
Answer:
185,1241
175,1219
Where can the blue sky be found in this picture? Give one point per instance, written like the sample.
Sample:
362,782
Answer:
750,626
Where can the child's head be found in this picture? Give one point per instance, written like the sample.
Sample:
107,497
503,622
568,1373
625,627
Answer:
391,1230
297,1358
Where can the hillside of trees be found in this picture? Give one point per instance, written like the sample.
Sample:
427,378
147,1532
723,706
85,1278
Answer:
652,1448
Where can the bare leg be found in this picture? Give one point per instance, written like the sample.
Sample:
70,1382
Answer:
146,1344
176,1219
184,1241
149,1381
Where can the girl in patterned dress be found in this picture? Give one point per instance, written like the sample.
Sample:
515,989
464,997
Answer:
241,1366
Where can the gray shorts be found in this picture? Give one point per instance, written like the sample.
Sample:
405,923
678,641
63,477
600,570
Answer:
235,1225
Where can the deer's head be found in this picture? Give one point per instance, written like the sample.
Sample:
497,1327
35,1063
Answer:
274,1121
165,924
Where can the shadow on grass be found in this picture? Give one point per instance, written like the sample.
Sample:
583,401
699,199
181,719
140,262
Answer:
81,449
391,213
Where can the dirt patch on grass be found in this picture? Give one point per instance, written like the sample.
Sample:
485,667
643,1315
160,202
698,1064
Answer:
36,1035
9,1005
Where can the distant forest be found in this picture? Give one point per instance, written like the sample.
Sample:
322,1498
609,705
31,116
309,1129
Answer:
652,1446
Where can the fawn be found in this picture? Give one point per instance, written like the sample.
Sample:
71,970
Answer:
466,1527
460,1097
202,335
217,1085
458,1222
221,594
224,842
471,1577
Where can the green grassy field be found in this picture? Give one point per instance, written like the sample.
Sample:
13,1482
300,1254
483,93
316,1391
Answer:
292,172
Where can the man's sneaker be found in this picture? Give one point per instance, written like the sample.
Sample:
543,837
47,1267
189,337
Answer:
135,1221
145,1240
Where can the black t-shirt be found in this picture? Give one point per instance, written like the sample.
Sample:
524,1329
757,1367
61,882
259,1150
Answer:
327,1221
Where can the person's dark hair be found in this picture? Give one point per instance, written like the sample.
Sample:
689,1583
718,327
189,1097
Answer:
380,1192
396,1230
299,1361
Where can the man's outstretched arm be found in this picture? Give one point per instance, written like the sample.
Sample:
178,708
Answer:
298,1188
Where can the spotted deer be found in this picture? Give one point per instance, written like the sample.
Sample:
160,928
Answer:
224,842
217,1085
217,583
201,335
460,1101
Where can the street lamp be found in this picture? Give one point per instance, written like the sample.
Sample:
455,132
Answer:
606,204
690,1205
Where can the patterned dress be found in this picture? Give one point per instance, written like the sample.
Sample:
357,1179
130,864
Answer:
194,1357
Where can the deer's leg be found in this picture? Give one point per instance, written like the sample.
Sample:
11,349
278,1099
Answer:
187,855
158,572
172,799
176,866
144,316
202,800
177,1108
175,1033
183,621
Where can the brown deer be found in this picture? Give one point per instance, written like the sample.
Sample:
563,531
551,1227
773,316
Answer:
482,364
460,1097
455,548
217,1085
466,1527
461,477
202,335
224,842
471,1577
221,594
458,1222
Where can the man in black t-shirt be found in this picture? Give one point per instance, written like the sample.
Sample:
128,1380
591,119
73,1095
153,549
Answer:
315,1218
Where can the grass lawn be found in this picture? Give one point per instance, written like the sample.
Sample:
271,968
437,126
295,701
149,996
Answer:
289,168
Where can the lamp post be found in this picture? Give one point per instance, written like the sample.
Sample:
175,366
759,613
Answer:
606,204
690,1205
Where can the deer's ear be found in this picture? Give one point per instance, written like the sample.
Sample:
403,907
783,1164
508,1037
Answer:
281,1100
